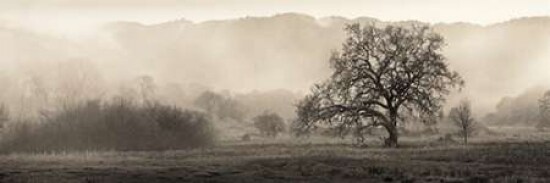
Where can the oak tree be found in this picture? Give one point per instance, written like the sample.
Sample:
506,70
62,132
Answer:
379,73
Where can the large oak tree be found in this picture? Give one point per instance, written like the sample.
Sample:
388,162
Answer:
380,73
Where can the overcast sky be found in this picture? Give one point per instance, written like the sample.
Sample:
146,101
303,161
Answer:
73,16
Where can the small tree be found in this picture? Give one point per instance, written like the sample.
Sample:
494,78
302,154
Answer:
544,108
269,124
147,89
462,117
4,115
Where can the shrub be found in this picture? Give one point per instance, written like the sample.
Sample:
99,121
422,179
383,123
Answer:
544,110
118,125
4,115
269,124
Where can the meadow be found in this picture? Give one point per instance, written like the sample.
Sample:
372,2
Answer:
508,156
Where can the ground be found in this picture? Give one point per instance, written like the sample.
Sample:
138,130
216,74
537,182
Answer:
502,158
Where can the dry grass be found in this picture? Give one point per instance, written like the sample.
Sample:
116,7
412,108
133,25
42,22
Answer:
524,159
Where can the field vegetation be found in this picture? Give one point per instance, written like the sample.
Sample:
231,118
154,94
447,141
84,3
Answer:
521,157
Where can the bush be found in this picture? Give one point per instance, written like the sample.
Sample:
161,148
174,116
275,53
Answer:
119,125
4,115
269,124
544,110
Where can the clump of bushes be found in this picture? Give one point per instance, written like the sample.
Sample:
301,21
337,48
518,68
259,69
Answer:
116,125
269,124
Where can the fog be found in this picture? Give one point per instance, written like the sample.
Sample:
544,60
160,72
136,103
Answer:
286,51
274,90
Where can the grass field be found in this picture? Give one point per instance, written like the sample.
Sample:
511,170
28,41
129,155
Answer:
512,157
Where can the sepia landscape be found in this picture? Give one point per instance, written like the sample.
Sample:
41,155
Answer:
274,91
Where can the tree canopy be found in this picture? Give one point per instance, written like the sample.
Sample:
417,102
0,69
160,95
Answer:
379,73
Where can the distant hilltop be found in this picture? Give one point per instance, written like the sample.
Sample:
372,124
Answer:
288,51
300,45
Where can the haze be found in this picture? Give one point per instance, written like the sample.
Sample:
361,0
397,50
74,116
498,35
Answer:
77,17
501,52
274,91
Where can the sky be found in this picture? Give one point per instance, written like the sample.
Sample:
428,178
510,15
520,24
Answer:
75,17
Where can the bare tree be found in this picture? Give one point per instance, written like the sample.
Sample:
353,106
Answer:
380,73
462,117
544,108
76,81
147,89
35,97
4,115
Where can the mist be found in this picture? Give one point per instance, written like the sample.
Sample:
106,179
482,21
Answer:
274,91
285,51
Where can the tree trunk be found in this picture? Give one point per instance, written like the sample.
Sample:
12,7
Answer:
393,135
391,141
